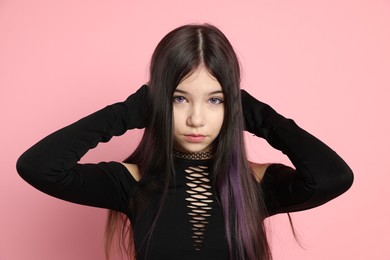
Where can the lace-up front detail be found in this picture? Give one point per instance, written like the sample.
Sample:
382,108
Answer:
199,198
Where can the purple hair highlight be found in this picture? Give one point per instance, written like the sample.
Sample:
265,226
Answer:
234,204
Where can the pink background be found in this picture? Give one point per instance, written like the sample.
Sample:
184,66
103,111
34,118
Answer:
324,63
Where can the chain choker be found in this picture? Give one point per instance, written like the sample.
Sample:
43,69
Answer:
194,156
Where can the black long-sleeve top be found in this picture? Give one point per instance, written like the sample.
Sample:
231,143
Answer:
188,227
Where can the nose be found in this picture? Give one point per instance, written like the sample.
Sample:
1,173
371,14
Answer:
196,117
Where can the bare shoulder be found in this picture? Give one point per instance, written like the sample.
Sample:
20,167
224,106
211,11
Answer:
133,170
258,170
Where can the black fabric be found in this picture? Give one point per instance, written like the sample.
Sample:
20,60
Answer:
320,173
190,225
52,166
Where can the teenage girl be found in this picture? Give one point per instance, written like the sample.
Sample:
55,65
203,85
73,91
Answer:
188,190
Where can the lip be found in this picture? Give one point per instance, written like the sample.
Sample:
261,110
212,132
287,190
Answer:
194,138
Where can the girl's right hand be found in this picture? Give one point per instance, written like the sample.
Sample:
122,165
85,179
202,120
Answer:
136,108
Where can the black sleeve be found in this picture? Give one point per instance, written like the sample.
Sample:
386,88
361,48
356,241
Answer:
320,174
52,165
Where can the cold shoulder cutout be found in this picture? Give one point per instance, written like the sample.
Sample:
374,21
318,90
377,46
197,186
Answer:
258,170
133,171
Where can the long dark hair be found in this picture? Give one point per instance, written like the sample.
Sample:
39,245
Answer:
177,55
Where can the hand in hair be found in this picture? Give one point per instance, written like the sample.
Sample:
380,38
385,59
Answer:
136,108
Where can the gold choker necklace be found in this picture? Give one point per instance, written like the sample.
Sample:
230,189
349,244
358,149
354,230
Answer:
194,156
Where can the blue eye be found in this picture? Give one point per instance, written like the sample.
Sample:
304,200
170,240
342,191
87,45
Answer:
215,100
179,99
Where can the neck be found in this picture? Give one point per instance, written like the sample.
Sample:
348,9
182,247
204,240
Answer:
194,156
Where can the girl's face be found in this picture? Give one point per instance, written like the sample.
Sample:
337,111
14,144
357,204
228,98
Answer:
198,112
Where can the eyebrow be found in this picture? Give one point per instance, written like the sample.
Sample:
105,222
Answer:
211,93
